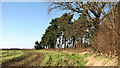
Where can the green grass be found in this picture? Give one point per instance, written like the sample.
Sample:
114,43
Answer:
53,58
8,55
33,57
79,59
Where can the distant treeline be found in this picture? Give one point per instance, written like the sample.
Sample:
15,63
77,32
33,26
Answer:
15,49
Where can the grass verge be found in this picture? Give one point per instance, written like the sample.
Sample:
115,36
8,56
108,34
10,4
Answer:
53,58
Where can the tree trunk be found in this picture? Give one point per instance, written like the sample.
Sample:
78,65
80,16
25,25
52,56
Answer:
81,42
74,45
59,41
79,45
84,40
73,42
64,43
55,45
49,45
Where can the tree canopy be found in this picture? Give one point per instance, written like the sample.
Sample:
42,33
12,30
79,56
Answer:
78,32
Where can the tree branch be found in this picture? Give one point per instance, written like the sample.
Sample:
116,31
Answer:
105,16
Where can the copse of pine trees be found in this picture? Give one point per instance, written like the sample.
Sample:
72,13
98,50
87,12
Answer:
64,29
86,29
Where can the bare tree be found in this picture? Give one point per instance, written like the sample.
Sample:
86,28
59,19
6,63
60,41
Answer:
95,11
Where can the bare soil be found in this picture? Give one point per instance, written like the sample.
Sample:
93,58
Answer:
92,61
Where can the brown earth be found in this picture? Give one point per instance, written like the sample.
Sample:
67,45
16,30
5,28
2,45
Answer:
25,61
92,61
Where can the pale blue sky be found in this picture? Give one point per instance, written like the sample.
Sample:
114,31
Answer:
24,22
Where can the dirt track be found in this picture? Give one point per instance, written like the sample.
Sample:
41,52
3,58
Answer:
36,61
28,60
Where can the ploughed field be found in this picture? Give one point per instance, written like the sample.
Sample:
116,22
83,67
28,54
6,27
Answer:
41,58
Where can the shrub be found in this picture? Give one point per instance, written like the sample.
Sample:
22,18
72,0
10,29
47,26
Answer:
36,47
